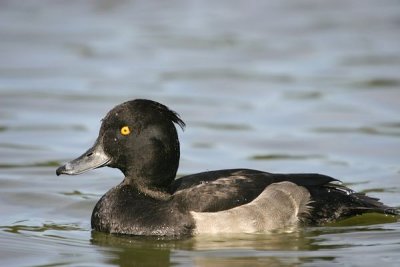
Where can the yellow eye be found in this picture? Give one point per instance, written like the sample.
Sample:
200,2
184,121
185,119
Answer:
125,130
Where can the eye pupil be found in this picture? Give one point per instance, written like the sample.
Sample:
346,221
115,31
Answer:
125,130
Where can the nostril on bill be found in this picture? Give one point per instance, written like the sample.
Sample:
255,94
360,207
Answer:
89,154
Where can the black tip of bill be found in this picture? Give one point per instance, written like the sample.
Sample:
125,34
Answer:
60,170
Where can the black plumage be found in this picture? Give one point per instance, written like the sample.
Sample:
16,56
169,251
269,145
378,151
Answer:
150,201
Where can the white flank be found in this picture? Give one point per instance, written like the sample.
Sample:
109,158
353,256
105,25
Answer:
277,207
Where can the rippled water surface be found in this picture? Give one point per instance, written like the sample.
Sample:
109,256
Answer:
281,86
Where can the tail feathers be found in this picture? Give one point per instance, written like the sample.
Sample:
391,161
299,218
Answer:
370,204
335,202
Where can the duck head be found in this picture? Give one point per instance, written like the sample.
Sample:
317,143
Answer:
139,138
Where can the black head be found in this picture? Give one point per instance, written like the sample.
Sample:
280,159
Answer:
139,138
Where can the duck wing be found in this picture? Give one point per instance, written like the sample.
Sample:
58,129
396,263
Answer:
215,191
221,190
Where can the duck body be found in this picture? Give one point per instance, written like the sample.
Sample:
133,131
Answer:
139,138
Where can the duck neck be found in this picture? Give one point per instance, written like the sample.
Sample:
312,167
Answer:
142,188
154,172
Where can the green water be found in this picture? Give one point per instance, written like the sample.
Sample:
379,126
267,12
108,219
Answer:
280,86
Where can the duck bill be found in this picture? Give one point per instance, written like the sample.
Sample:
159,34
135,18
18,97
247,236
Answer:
94,158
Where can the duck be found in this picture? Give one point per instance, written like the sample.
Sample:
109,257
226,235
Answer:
139,137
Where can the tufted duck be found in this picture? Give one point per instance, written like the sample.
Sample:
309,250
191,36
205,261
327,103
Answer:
139,138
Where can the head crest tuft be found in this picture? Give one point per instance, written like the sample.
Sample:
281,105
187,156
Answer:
172,115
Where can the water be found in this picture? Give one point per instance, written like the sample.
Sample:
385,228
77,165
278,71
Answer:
282,86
